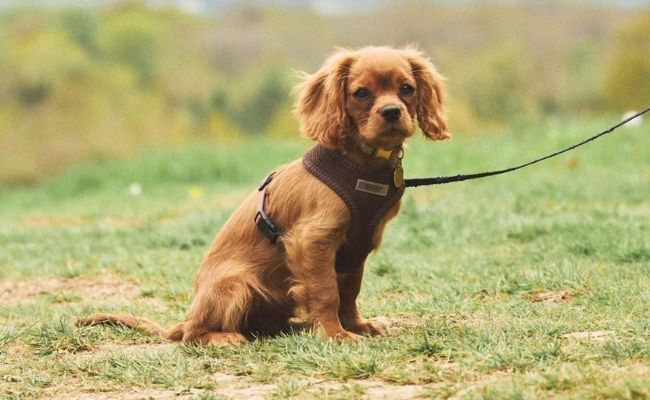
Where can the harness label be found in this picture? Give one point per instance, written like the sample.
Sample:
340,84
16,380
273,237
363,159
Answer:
375,188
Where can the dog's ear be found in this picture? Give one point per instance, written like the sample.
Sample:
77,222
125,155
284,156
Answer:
321,101
430,95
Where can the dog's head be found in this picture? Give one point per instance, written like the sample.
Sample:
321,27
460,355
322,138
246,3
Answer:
375,93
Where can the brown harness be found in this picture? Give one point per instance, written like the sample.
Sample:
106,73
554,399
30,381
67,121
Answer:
368,193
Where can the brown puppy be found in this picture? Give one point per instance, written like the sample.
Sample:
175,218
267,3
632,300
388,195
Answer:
359,108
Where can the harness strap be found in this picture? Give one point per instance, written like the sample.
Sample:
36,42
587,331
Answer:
262,219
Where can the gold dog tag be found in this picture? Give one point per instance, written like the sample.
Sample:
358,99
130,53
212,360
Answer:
398,176
383,153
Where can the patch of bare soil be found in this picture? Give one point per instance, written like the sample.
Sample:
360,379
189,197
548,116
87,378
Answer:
399,324
597,337
240,387
479,382
107,288
380,390
129,394
551,296
112,348
236,387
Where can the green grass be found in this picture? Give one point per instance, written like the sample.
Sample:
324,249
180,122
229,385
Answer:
486,283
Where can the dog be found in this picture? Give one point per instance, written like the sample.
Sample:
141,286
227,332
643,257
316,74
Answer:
293,253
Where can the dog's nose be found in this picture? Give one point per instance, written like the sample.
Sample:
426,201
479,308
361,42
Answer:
390,113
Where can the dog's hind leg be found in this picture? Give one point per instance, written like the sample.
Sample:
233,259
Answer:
223,299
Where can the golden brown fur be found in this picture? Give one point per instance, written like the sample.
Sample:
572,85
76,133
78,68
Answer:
247,285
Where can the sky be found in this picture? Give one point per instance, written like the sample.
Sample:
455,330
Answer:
323,6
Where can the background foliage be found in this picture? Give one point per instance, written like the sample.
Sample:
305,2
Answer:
82,84
530,285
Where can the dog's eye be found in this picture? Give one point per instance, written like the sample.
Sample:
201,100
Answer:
361,93
406,89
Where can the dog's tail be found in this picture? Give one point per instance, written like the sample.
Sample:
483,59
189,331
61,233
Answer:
174,334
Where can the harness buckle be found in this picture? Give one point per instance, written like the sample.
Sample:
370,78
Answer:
263,220
266,225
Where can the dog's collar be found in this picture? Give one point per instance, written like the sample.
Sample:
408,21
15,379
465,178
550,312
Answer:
378,152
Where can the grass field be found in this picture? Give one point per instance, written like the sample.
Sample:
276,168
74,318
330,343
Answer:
530,285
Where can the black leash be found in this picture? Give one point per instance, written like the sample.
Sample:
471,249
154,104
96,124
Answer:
458,178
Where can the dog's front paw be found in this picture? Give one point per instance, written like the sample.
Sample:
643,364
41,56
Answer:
338,334
371,327
347,336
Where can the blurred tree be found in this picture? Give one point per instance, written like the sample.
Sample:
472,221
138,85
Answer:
82,25
258,102
462,116
581,90
134,37
44,63
77,84
498,82
283,125
220,129
627,85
